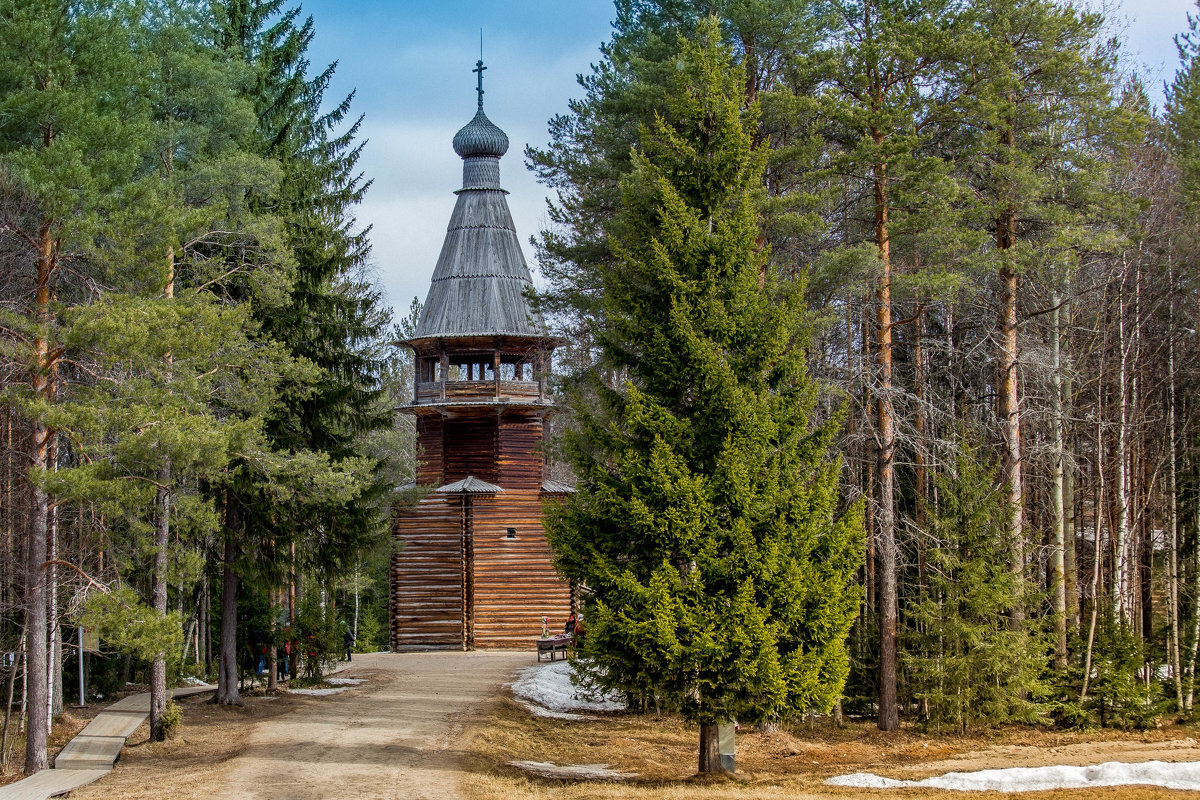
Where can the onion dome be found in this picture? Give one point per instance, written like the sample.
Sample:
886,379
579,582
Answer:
481,282
480,137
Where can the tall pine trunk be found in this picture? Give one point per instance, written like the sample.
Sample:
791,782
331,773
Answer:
227,675
885,517
162,538
158,669
1058,567
1071,569
1173,491
37,688
1009,402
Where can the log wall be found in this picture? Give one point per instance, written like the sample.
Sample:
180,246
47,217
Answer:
429,449
469,448
514,579
519,440
427,576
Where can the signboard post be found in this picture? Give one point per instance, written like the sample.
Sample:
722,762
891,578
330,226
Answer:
727,745
89,642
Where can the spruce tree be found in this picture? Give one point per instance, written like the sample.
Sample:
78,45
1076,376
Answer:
329,316
708,525
963,664
1183,113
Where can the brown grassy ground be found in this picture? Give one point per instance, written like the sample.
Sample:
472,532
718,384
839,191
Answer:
72,721
210,736
790,764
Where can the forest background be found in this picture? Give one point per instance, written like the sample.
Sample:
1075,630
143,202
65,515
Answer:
995,229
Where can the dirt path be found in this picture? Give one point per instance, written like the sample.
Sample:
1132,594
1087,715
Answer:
393,736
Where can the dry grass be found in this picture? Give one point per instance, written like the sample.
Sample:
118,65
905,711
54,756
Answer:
189,762
791,764
66,726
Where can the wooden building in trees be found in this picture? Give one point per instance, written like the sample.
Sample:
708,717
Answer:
473,568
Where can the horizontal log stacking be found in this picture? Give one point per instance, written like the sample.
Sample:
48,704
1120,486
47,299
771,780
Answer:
519,442
514,578
469,448
427,576
429,449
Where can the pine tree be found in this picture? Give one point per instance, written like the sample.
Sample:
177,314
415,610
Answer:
70,137
707,523
1043,118
888,105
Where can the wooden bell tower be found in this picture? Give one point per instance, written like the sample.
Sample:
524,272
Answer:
474,569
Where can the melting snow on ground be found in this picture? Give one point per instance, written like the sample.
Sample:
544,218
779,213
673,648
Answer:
587,772
344,681
1185,775
320,692
547,691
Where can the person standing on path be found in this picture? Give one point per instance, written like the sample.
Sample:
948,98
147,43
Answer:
348,640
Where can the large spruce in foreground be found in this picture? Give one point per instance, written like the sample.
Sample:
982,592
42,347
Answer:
708,525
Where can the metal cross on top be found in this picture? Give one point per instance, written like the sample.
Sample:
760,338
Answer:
479,68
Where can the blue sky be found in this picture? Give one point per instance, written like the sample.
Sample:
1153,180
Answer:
411,60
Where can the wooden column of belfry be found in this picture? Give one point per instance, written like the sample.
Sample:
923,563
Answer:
473,568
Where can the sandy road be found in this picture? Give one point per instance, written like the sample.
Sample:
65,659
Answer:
393,736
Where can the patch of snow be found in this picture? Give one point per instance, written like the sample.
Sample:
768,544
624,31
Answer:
320,692
345,681
1181,775
547,691
190,681
867,780
538,711
586,772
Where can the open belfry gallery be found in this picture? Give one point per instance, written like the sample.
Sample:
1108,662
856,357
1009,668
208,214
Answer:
472,567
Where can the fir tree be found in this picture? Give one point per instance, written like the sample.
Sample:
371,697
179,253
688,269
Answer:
707,523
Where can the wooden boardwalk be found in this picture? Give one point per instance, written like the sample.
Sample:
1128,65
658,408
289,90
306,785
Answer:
93,752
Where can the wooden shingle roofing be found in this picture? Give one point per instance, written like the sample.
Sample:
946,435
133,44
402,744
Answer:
480,283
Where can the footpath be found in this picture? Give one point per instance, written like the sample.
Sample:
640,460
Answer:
94,750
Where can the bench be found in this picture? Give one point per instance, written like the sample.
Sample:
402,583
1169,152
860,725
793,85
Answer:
554,646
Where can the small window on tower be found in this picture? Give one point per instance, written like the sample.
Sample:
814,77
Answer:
511,533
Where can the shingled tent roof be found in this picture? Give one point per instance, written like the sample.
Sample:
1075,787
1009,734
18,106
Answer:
480,283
